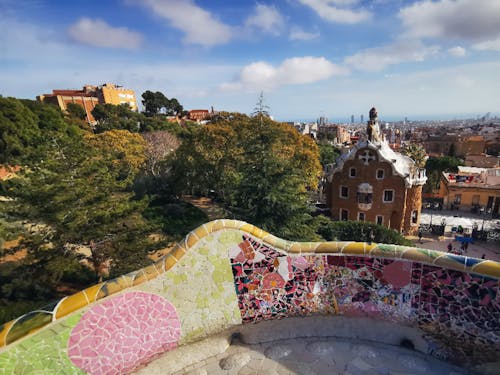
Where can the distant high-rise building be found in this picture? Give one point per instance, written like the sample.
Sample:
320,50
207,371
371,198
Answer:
362,119
352,119
322,120
90,96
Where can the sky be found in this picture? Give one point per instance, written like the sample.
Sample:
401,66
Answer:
335,58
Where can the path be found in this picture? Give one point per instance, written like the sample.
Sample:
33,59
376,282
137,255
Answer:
212,209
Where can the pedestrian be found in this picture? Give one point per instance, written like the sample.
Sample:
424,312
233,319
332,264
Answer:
483,256
420,236
450,247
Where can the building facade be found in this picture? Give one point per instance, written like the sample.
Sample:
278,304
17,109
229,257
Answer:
337,133
199,115
454,145
472,189
90,96
373,183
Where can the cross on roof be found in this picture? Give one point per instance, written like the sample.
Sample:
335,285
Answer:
367,157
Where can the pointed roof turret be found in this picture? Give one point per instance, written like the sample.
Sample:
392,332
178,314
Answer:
373,128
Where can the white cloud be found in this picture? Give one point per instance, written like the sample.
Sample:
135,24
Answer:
457,51
464,82
488,45
462,19
296,33
337,10
267,19
297,70
200,26
98,33
378,58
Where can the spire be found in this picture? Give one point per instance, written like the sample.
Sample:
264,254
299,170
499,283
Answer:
372,128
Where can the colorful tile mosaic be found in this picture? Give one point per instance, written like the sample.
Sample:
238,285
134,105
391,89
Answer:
459,312
272,285
227,272
43,353
201,286
123,332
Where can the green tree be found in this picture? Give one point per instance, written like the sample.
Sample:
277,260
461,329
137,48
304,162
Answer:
156,102
80,192
327,153
260,169
416,152
19,131
153,102
435,166
76,111
118,117
360,231
27,127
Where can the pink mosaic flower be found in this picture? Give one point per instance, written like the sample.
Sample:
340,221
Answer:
272,281
123,332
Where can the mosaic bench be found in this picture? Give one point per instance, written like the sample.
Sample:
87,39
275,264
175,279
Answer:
228,273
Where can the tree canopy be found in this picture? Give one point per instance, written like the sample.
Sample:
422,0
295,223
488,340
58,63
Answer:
327,153
260,169
72,207
416,152
360,231
435,165
156,102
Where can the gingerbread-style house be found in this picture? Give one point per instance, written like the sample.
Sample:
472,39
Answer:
373,183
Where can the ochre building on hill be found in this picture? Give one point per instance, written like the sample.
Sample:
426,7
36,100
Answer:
90,96
373,183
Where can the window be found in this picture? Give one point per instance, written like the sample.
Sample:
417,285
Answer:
344,215
380,174
475,200
388,196
361,216
344,192
364,196
352,172
380,220
458,198
414,217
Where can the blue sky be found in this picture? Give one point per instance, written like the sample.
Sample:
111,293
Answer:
311,58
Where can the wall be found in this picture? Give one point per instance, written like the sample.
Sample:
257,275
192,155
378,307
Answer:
227,273
117,95
413,203
392,212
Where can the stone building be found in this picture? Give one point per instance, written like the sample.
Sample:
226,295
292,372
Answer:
373,183
90,96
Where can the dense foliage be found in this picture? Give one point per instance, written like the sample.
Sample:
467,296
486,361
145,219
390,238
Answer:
72,214
327,153
360,231
435,165
416,152
260,169
156,102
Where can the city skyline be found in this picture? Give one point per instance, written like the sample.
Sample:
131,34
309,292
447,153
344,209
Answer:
311,58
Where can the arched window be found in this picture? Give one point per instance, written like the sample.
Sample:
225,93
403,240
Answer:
364,196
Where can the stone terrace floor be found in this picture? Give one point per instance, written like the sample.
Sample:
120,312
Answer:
330,356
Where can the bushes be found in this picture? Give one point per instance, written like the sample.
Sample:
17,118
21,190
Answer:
360,231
